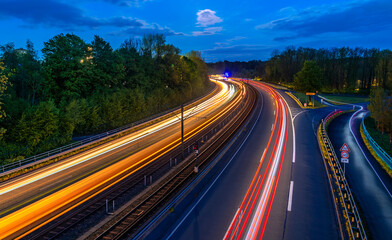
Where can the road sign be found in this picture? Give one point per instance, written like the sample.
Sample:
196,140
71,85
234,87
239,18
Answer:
344,160
344,154
345,148
310,93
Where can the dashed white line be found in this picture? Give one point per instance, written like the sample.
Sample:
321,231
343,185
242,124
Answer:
290,196
272,127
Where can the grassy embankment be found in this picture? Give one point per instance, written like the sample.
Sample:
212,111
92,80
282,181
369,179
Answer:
382,140
347,99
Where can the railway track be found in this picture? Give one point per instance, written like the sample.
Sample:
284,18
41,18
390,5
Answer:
128,224
56,229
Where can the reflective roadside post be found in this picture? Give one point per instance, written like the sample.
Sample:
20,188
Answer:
196,148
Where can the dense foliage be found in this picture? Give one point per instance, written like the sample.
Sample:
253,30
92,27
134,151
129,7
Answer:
81,88
343,69
336,70
251,69
309,78
380,108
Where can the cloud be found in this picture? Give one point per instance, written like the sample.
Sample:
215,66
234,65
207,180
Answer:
57,14
145,30
353,17
285,38
288,11
237,52
208,31
236,38
230,41
207,17
127,3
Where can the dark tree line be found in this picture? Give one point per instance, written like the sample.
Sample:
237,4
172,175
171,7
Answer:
343,69
380,108
251,69
83,88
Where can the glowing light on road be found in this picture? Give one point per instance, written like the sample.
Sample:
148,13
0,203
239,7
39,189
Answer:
84,189
224,95
258,200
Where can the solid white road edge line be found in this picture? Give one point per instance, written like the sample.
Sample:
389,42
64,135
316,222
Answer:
292,124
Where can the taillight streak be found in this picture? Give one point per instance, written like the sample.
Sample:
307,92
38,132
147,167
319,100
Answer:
268,185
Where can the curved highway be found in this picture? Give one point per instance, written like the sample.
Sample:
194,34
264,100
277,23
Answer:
270,184
251,218
30,201
252,183
371,189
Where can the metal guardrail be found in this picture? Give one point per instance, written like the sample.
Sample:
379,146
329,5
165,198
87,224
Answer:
148,175
75,145
379,151
349,207
126,224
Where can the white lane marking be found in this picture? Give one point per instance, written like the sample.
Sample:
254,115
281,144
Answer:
290,196
293,118
274,112
363,153
272,127
213,183
292,124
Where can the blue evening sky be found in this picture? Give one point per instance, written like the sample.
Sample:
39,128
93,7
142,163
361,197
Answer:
222,30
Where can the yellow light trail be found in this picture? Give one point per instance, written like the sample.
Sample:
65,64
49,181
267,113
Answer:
25,220
110,147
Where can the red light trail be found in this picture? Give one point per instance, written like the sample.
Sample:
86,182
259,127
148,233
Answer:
251,219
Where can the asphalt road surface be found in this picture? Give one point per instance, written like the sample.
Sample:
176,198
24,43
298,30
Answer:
369,185
34,198
302,206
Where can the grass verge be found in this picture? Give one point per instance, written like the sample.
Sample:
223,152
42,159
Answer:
346,99
382,139
371,150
